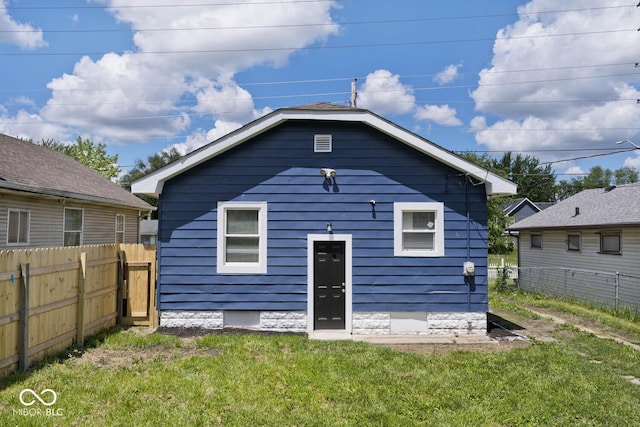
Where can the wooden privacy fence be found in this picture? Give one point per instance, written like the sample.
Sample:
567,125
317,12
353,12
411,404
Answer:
51,298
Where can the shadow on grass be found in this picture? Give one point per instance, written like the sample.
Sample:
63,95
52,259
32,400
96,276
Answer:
74,351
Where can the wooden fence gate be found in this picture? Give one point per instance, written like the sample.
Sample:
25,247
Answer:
51,298
137,285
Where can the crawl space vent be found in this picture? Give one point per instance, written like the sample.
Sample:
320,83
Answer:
322,143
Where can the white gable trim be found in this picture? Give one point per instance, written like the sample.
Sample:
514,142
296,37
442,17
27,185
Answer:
153,183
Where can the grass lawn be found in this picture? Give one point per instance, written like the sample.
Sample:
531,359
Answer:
287,380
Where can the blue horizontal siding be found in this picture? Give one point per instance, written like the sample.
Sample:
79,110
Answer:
279,167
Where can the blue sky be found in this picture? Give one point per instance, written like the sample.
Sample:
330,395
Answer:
555,80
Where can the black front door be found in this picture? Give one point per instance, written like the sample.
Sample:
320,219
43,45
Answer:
329,285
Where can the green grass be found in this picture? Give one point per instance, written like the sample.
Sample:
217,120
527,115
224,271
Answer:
620,320
254,380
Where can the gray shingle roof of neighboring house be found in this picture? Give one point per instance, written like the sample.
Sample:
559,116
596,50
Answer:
600,207
31,168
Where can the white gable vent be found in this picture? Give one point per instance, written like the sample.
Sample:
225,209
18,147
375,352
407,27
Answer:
322,143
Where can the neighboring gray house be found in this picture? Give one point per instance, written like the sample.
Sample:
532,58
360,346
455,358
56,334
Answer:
522,208
149,231
597,230
47,199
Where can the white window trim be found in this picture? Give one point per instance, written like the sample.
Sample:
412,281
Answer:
64,225
19,211
124,221
242,267
399,208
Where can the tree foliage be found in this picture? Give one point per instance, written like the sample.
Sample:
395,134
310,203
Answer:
143,168
90,154
597,177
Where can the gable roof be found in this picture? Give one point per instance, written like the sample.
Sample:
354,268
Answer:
152,184
600,207
31,168
515,204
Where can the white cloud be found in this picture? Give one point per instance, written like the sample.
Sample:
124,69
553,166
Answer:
22,35
200,137
449,74
561,101
633,162
574,170
135,96
440,114
383,93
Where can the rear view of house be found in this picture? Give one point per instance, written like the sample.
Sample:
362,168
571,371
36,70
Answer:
323,218
48,199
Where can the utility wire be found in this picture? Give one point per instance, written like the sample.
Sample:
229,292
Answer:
246,27
321,47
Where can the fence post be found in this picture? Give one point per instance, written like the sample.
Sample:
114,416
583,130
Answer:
617,302
23,351
119,293
81,300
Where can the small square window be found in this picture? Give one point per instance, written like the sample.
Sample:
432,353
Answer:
418,229
536,240
573,242
610,243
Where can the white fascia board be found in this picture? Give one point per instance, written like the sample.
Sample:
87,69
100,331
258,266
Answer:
153,183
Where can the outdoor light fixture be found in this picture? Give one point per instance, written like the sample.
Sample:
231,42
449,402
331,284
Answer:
628,142
328,173
329,227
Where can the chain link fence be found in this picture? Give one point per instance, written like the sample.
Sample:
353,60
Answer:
618,291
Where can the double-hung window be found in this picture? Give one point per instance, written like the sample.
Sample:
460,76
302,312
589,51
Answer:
536,240
119,228
242,237
73,219
18,227
418,229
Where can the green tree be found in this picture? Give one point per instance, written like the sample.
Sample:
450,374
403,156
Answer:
143,168
89,154
598,177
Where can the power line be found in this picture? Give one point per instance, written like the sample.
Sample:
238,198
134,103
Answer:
320,24
322,47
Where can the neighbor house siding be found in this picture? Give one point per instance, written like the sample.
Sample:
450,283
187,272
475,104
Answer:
47,221
554,251
280,167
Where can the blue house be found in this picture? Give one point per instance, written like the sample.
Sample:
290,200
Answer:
323,218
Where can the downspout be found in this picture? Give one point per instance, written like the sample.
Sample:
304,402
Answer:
468,278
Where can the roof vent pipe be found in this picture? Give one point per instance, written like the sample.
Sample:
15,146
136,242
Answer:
577,211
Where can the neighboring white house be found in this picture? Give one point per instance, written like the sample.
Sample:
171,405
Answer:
595,231
48,199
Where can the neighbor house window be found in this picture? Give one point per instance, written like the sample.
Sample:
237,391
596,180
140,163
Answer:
242,237
18,227
536,240
573,242
418,229
73,219
610,243
119,228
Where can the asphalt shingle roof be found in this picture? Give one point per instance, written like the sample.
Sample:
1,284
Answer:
598,207
25,166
